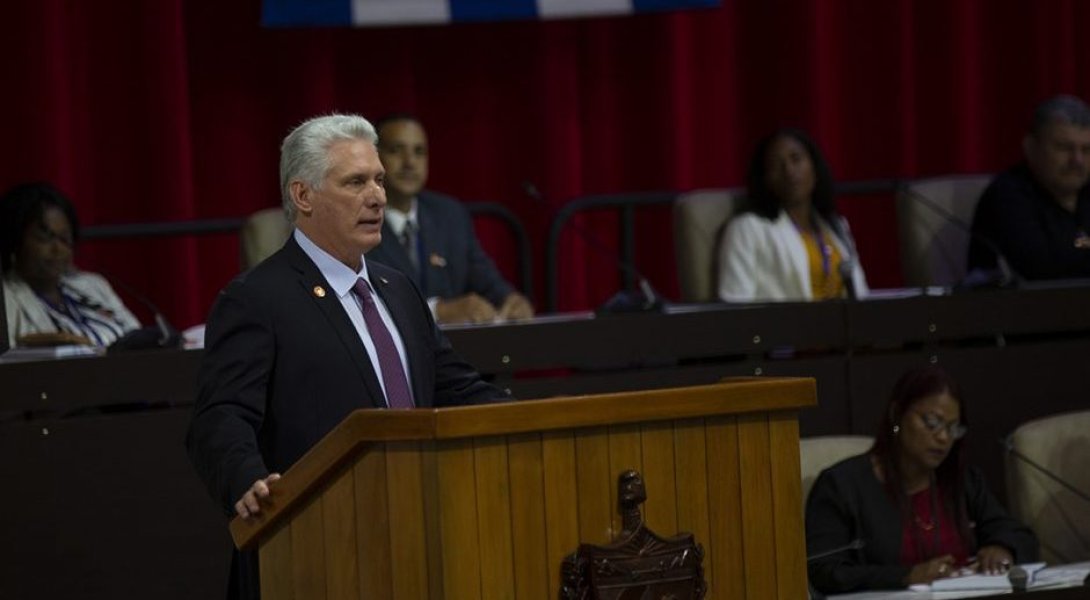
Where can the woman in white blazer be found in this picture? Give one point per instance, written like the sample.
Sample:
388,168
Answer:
788,243
43,291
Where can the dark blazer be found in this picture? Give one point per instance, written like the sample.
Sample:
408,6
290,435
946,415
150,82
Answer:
453,261
848,503
283,365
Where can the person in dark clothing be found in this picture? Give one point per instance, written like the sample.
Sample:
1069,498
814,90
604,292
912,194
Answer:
315,332
429,236
1037,213
919,511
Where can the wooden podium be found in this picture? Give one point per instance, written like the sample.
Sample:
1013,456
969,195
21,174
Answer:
486,501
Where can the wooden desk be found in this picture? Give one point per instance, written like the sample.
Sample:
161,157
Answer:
90,444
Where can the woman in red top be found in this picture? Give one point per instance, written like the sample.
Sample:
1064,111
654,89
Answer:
919,512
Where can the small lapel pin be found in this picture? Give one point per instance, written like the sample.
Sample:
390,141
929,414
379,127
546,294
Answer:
319,291
383,280
437,261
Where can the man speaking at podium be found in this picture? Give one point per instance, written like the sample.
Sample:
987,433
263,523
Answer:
315,331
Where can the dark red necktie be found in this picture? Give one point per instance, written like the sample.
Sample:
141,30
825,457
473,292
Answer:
393,374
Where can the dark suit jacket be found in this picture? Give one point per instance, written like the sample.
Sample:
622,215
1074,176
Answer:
283,366
446,231
848,503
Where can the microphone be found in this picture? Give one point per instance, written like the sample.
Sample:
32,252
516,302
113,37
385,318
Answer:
161,335
624,301
1002,276
856,544
1018,578
1008,444
3,320
846,268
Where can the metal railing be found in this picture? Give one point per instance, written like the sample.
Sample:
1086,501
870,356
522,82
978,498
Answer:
627,204
161,229
522,241
232,225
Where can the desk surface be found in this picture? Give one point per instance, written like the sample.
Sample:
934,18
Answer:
854,349
1020,350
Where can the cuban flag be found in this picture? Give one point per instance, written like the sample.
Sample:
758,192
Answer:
372,13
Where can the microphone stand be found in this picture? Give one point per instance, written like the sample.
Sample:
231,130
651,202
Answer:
1008,444
646,299
1007,277
856,544
162,335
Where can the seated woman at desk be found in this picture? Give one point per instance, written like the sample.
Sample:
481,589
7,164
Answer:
48,300
919,512
788,243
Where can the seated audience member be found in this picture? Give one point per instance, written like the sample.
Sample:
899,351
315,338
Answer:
919,511
1037,213
430,237
48,300
788,243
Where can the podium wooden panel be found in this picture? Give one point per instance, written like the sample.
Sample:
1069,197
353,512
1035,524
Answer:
486,501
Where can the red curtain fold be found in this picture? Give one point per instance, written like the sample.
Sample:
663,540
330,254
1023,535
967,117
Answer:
169,110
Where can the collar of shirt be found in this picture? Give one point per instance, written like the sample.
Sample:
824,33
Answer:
397,219
339,276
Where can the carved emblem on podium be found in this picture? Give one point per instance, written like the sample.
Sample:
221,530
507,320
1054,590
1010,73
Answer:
639,564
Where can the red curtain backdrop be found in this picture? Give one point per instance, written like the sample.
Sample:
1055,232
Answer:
170,110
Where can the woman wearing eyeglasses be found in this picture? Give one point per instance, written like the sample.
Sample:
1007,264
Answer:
49,301
919,511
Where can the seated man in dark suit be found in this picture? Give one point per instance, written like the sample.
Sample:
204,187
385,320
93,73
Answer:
315,331
430,237
1037,213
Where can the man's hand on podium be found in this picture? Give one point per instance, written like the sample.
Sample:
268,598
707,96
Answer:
250,503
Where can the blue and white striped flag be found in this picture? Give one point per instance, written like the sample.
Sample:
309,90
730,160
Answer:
370,13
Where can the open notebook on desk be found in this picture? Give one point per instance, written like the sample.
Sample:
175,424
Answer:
979,581
1063,575
1043,578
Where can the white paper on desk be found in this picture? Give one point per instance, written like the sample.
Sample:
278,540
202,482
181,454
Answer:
1062,575
982,582
193,338
47,352
899,293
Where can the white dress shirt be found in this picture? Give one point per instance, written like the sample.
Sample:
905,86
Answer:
341,279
